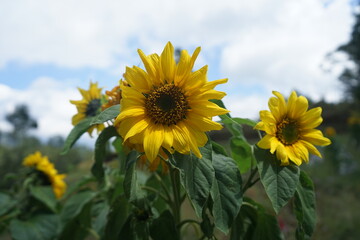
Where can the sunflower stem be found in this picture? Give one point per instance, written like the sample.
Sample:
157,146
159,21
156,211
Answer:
249,181
175,181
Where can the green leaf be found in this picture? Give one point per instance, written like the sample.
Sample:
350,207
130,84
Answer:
245,121
106,115
218,148
207,227
74,205
39,227
6,203
304,207
267,227
197,175
225,192
234,127
242,153
244,225
78,227
279,181
131,186
127,231
116,218
100,152
100,212
78,130
164,227
45,195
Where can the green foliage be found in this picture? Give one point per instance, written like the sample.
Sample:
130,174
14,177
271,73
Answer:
197,175
106,115
304,207
42,227
76,133
280,182
121,200
226,191
45,195
100,152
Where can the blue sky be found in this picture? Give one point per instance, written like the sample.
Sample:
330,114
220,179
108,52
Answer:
49,48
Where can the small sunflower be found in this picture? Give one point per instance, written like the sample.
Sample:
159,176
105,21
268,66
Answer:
289,128
168,104
114,97
47,169
89,106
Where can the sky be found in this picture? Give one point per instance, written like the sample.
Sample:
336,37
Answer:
49,48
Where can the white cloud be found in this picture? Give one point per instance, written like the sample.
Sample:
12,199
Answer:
286,53
48,103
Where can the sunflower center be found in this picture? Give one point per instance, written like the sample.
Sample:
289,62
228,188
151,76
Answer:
288,131
44,179
166,105
93,107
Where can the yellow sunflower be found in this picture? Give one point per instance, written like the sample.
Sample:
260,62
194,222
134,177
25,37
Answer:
42,164
114,97
168,104
89,106
289,128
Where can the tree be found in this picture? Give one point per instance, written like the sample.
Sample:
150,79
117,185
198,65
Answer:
21,121
351,75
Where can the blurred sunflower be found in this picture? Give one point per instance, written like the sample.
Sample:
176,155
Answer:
113,97
89,106
48,172
168,104
289,128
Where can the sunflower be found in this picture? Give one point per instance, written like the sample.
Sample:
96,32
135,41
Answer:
89,106
289,128
47,169
168,104
114,97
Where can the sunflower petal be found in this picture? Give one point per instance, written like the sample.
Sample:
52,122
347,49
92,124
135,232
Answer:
153,139
315,137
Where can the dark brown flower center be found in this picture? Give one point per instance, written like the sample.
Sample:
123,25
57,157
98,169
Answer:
288,132
166,105
93,108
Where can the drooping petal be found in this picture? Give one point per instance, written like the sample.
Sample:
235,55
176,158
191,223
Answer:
282,155
153,139
311,148
181,141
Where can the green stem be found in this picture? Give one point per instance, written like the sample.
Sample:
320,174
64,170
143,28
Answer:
249,181
175,181
168,200
163,185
